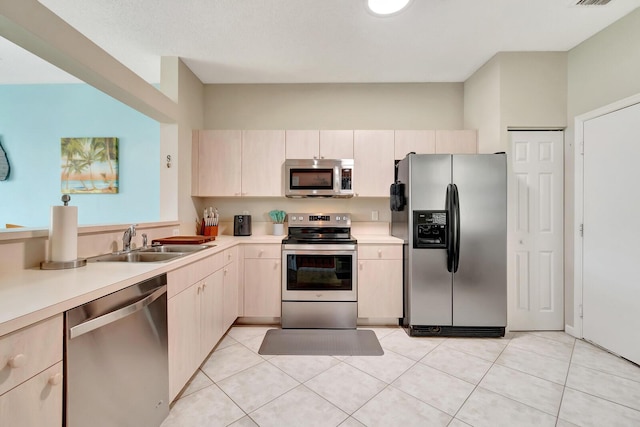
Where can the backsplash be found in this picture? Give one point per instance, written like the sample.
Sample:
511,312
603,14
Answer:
360,208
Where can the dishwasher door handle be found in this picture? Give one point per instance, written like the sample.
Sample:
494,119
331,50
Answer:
113,316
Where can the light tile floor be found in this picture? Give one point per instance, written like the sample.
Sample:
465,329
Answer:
524,379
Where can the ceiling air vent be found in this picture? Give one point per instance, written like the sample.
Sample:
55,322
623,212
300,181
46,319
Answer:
589,2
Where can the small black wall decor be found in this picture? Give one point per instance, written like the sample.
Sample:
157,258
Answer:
5,169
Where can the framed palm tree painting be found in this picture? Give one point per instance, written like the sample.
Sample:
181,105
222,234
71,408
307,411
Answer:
89,165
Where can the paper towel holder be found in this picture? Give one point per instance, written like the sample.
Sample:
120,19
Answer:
63,265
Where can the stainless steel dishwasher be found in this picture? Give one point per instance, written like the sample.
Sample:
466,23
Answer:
116,360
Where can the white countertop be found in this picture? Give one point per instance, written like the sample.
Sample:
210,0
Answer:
29,296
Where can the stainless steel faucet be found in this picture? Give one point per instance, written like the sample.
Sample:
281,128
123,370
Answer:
126,237
144,240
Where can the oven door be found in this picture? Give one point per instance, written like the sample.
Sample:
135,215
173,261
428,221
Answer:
319,273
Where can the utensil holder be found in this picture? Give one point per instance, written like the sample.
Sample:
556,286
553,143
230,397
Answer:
211,230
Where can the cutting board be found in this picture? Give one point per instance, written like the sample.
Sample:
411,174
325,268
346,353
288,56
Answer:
184,240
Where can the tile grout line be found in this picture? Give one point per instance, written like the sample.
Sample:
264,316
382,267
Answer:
564,386
479,381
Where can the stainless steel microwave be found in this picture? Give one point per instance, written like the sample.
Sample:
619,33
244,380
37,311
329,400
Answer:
318,177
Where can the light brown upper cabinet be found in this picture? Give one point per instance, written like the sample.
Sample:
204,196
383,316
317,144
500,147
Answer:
374,165
456,142
314,144
230,163
417,141
217,160
336,144
262,159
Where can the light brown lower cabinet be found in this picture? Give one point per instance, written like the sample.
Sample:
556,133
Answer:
379,281
31,374
262,273
196,316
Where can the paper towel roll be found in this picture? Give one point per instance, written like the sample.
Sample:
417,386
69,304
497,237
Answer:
63,234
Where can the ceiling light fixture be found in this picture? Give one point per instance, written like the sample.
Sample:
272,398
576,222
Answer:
386,7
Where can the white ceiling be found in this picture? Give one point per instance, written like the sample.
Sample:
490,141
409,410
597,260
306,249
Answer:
317,41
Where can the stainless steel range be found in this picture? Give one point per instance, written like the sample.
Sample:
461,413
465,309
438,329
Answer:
319,273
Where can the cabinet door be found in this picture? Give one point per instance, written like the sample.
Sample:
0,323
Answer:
183,327
374,164
262,295
336,144
230,309
219,163
30,350
36,402
302,144
262,158
456,142
380,288
417,141
211,312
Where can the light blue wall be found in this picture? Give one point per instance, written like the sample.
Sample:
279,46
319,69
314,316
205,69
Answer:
33,118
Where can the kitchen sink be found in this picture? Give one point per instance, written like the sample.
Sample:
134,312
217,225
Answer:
160,253
175,248
137,256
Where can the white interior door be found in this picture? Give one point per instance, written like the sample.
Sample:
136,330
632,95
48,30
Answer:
611,287
535,236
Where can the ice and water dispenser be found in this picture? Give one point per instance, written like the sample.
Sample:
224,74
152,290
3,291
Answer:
430,229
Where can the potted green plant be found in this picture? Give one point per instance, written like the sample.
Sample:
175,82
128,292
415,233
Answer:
278,217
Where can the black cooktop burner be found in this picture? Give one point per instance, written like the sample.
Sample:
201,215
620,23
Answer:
308,229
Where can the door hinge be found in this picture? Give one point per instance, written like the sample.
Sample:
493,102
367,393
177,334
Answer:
582,148
580,313
581,230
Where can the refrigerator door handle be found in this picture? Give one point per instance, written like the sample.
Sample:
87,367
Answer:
450,228
456,227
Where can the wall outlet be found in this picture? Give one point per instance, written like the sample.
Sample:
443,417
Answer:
374,215
176,231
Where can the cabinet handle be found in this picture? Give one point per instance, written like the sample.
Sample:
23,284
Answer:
225,271
204,286
379,253
261,252
360,265
55,379
17,361
198,290
236,194
277,263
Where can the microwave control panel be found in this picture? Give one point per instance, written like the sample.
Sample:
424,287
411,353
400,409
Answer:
430,229
345,179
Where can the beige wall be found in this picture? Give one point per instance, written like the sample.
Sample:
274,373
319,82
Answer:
603,69
516,90
179,83
482,105
334,106
327,106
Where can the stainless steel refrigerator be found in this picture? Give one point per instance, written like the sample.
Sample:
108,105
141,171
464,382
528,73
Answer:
451,212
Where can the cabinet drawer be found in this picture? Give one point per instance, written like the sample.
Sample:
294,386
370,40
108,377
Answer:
28,351
379,251
262,251
37,402
180,279
230,255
